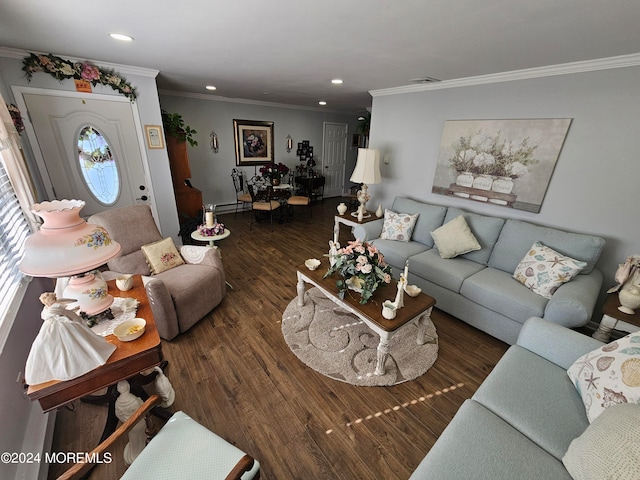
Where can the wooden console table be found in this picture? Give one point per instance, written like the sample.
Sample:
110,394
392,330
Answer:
129,359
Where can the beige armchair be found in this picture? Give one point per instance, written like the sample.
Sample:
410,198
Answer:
179,297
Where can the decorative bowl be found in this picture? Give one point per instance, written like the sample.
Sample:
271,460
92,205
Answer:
412,290
130,329
312,263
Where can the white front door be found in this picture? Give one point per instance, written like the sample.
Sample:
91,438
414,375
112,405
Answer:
116,179
334,158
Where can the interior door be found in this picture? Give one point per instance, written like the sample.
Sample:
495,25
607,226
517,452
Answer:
334,158
58,122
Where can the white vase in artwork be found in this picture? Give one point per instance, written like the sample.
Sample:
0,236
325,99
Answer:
465,179
342,209
502,185
483,182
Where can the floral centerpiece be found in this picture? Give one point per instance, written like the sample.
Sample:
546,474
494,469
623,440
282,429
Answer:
362,268
483,154
274,172
216,229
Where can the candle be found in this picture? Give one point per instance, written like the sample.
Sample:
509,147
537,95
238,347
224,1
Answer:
406,271
209,218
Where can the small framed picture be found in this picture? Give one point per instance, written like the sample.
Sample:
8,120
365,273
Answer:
154,136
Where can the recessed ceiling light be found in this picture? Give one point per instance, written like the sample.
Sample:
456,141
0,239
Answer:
322,102
121,36
210,87
337,81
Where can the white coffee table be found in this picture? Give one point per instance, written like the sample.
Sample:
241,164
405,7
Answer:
416,309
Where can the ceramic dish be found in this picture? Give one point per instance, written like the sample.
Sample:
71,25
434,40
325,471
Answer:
130,329
312,263
412,290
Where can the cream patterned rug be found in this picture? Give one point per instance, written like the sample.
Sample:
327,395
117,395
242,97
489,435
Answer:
337,344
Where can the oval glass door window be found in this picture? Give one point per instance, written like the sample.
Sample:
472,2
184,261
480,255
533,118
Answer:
98,166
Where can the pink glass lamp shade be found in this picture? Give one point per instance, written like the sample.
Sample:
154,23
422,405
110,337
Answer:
67,245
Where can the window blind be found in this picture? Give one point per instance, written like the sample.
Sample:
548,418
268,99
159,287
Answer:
14,230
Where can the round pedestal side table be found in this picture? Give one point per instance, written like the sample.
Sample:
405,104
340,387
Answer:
212,239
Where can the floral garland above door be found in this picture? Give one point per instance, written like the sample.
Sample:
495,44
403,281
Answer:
62,69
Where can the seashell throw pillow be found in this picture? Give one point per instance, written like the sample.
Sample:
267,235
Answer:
543,270
608,375
398,226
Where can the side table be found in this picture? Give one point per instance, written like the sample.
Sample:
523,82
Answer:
613,317
212,239
351,221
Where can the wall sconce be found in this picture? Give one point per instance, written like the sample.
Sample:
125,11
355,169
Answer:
289,143
214,142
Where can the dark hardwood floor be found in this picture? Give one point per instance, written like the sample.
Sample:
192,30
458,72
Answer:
234,373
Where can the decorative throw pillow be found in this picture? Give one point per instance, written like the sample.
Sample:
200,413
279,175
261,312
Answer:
455,238
162,255
608,375
398,226
608,448
543,269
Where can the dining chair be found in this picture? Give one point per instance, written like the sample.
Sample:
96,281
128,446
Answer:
262,202
300,201
242,196
183,448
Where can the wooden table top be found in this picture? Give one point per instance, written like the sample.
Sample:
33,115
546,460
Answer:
611,308
413,306
128,359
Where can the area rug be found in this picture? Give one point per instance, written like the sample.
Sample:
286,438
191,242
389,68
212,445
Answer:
335,343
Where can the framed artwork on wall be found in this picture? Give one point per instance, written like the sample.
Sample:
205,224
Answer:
154,136
254,142
500,162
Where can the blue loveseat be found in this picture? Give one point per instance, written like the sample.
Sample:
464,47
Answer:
478,287
520,422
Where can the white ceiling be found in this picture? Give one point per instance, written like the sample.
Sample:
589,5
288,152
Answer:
287,51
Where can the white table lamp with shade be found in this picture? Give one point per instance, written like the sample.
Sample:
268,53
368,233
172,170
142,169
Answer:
67,246
367,172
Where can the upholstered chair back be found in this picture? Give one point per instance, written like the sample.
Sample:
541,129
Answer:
132,227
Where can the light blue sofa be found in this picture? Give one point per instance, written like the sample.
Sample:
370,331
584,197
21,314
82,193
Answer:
478,287
521,420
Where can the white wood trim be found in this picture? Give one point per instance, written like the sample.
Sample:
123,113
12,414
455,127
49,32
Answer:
632,60
124,69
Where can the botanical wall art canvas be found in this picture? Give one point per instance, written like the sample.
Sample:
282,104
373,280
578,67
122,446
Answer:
501,162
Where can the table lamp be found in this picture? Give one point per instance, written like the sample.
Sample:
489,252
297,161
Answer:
67,246
367,172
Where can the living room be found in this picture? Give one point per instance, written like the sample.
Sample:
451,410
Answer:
592,190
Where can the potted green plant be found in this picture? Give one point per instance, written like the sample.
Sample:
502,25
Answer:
174,126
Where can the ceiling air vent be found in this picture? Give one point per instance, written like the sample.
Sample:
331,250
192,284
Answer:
424,80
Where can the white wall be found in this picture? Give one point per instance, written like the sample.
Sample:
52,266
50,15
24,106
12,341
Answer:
594,188
23,423
211,172
149,111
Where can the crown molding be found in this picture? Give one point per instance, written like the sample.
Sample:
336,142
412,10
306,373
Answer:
220,98
632,60
124,69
